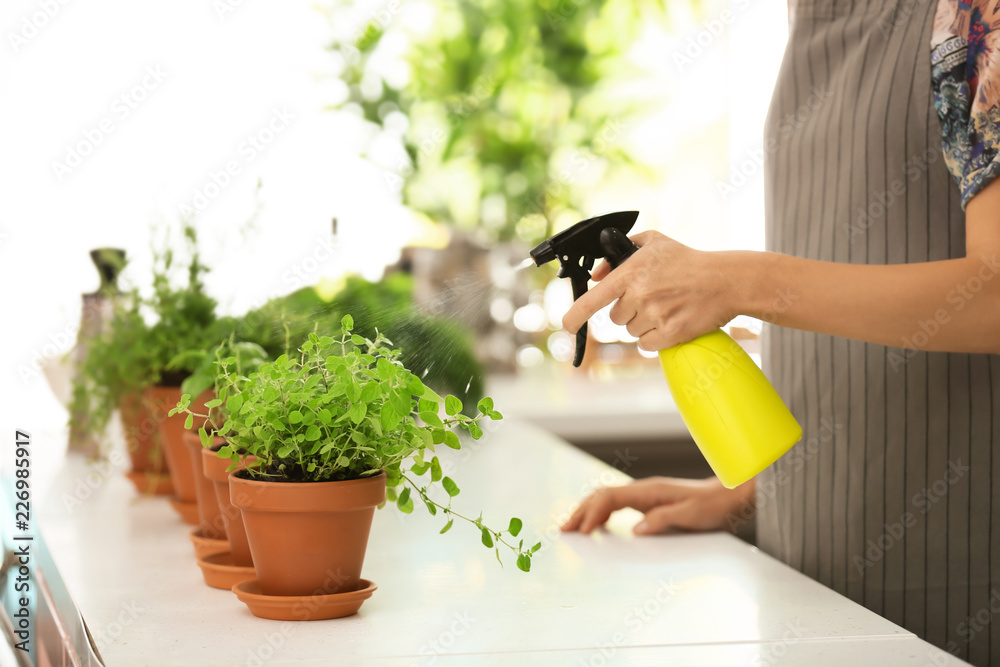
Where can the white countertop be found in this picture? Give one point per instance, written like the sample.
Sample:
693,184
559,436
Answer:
443,599
577,407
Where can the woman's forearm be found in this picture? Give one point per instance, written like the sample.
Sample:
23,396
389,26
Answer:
951,305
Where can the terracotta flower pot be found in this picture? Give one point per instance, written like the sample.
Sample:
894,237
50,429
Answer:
307,538
232,520
209,516
142,436
161,400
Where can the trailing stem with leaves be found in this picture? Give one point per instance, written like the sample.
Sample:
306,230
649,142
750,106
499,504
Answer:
346,408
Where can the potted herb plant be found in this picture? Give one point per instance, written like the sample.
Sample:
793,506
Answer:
113,375
336,430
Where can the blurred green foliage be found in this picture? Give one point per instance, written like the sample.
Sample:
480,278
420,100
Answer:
508,102
436,349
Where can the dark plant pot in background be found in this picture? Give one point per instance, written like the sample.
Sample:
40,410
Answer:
150,472
232,520
307,539
209,516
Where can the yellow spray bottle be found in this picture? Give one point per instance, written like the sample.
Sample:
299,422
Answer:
733,413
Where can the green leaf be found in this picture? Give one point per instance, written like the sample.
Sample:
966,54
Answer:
536,547
452,405
524,562
447,527
515,526
383,368
437,436
358,340
214,403
475,431
389,417
270,394
430,395
358,411
414,386
401,402
294,417
234,403
451,440
423,405
369,392
405,503
343,461
450,487
487,539
203,434
286,451
225,452
325,416
312,433
420,468
496,416
435,470
485,405
189,422
354,392
431,419
347,323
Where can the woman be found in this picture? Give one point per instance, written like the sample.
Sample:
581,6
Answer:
882,281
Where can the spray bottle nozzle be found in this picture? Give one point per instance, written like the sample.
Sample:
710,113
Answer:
578,247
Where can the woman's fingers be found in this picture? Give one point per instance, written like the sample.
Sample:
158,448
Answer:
584,308
659,519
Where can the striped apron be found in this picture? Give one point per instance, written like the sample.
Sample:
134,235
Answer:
889,497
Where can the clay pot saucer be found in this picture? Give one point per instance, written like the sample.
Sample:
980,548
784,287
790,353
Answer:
220,571
302,607
151,483
207,546
187,509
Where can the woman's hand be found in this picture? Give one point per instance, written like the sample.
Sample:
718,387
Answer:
667,292
689,504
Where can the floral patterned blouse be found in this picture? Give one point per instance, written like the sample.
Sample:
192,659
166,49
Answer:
965,72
